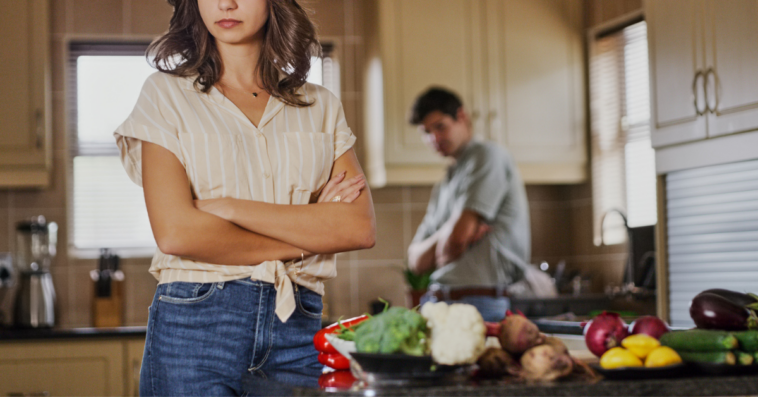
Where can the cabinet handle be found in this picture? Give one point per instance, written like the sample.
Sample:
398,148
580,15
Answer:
39,128
699,112
715,107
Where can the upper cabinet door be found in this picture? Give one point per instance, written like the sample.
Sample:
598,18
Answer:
423,43
731,34
536,73
677,71
25,152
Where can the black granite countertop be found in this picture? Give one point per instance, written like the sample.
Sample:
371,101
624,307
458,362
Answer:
17,334
686,386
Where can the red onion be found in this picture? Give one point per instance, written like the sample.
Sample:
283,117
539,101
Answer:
649,325
604,332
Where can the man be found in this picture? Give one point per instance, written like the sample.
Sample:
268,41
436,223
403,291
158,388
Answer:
475,235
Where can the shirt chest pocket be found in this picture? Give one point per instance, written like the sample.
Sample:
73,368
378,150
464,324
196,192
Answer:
311,155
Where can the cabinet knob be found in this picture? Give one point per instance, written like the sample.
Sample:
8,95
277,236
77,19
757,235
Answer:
710,72
699,112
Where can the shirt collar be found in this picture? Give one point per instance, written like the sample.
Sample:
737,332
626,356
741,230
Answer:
273,107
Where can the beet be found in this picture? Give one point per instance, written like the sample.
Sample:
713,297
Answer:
496,362
557,344
545,362
517,334
712,311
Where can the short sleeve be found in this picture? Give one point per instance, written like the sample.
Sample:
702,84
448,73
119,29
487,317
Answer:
487,182
335,122
153,120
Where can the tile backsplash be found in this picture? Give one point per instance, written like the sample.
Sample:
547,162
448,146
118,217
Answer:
561,215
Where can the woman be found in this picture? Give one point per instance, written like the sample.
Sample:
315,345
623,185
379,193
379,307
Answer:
224,142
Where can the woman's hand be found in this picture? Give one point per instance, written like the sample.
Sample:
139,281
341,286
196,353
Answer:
221,207
347,190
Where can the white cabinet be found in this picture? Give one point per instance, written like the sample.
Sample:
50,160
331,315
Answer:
25,134
536,87
703,68
517,65
731,38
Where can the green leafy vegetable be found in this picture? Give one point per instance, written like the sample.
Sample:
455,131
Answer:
396,330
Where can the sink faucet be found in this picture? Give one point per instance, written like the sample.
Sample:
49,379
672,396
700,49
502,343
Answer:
630,285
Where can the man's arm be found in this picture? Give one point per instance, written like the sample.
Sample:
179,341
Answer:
457,235
448,243
182,230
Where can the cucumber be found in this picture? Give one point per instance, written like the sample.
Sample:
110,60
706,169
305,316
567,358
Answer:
726,357
700,340
744,358
748,340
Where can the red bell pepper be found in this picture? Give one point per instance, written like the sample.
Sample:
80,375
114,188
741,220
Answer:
336,379
334,360
323,345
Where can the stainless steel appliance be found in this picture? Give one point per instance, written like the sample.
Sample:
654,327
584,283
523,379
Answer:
36,241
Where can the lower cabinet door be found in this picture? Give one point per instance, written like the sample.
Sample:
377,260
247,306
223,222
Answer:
62,368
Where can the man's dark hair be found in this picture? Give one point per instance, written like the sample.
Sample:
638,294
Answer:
435,98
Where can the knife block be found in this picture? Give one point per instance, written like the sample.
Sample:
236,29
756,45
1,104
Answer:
109,312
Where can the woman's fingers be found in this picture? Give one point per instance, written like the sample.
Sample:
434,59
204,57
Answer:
343,189
352,192
327,192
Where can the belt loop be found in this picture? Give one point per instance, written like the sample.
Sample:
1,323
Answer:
220,285
500,290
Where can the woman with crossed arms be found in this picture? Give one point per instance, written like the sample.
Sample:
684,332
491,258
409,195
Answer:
251,186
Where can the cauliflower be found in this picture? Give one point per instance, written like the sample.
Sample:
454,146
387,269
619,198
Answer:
458,332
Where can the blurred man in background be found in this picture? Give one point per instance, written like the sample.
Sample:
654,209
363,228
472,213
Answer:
475,237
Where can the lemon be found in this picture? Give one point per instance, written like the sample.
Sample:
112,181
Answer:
618,357
640,344
661,357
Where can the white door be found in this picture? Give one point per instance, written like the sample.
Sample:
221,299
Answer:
732,55
677,72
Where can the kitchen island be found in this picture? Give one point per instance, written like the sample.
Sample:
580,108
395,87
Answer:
684,386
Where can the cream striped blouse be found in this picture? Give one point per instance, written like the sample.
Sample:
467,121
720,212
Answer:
285,160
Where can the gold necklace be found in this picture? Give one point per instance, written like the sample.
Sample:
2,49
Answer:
255,94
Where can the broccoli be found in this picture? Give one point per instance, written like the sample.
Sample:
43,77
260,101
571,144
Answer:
397,330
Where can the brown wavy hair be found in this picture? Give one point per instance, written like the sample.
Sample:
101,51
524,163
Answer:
288,44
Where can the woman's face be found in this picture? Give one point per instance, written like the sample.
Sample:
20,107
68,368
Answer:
234,21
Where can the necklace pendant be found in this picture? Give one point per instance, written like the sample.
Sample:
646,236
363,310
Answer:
255,95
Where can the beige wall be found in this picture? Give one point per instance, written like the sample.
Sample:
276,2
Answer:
561,215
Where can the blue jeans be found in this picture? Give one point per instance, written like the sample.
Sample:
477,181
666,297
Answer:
491,308
203,339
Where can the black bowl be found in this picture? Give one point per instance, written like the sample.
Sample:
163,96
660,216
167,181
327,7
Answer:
393,363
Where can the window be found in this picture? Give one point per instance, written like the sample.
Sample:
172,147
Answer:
105,81
623,161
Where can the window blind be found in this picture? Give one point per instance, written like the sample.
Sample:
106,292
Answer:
623,162
712,230
105,79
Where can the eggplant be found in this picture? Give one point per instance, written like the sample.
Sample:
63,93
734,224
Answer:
735,297
712,311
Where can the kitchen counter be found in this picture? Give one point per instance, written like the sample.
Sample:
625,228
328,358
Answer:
17,334
688,386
